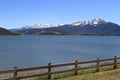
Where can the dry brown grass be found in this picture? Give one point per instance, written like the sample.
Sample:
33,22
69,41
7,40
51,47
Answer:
105,75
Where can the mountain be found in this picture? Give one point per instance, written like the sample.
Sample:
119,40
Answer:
6,32
93,27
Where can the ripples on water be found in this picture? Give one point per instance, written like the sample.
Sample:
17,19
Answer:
26,51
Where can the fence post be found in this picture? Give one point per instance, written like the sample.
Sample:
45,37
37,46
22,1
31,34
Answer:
115,62
97,65
76,67
49,71
15,73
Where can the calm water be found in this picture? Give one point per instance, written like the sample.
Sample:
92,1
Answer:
26,51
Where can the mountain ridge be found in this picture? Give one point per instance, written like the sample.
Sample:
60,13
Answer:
76,23
4,31
93,27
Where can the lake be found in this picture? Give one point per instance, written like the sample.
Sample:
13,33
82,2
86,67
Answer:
38,50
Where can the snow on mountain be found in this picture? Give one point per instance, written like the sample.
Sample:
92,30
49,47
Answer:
93,27
93,22
37,26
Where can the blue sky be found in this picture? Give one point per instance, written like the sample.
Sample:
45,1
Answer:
18,13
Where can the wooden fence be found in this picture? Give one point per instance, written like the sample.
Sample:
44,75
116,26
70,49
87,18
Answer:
112,61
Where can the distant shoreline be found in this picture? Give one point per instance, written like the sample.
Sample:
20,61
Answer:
60,35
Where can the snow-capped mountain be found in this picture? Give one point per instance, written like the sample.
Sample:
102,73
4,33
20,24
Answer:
78,23
92,22
93,27
37,26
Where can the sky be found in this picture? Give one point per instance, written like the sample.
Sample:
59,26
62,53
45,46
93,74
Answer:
19,13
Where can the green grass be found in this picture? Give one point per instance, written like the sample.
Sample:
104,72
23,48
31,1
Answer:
85,73
42,78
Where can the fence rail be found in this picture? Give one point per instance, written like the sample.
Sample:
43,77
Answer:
49,67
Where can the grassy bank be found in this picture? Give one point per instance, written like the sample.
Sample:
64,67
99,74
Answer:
105,73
